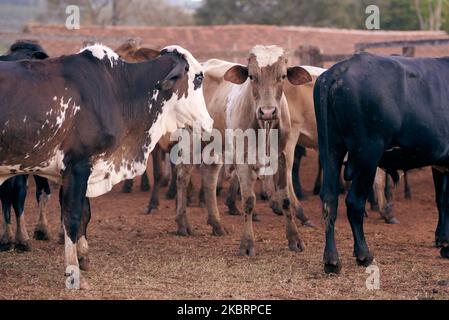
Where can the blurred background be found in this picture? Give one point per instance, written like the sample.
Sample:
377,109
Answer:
229,28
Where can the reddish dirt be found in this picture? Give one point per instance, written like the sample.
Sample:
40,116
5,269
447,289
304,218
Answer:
138,256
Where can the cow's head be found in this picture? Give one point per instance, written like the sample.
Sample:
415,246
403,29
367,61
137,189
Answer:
25,49
131,51
186,80
267,70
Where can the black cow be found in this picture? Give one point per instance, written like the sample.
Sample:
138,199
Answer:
391,112
13,191
94,119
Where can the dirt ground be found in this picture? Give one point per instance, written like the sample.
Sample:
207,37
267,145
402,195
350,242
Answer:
138,256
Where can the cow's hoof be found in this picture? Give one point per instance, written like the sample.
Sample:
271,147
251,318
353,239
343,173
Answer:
84,263
219,231
264,196
365,260
332,268
152,209
296,245
145,187
184,231
246,249
444,252
276,208
170,195
23,246
41,234
392,220
6,246
256,217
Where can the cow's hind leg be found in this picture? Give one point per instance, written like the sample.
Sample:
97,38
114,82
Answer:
75,179
247,178
294,241
183,174
364,166
233,192
82,245
385,206
171,192
157,174
300,152
7,237
210,175
145,182
407,189
22,242
128,186
42,195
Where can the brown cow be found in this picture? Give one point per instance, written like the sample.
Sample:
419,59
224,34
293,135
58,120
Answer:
249,97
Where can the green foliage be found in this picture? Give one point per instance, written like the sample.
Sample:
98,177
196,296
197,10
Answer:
395,14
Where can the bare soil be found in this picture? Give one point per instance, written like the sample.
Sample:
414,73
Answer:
138,256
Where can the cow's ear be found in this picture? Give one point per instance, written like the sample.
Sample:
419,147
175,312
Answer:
237,74
147,54
39,55
298,76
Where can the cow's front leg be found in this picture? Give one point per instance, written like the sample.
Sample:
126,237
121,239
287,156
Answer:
294,241
247,178
42,196
209,175
182,176
233,191
268,184
75,179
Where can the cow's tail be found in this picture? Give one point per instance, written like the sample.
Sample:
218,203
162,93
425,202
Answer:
320,96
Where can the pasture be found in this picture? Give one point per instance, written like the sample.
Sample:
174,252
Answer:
138,256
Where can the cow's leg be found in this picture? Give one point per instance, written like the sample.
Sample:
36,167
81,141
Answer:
441,182
157,175
275,205
300,152
385,207
74,179
220,182
289,158
407,189
294,241
22,242
42,195
233,192
166,164
247,178
145,182
364,166
318,179
171,192
82,245
128,186
61,239
183,174
209,175
7,238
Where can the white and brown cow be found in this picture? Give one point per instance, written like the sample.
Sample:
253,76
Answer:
94,119
249,97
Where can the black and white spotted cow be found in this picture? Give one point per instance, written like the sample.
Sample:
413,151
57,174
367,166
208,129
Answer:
94,119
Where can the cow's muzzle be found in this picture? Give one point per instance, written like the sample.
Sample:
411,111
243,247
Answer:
267,113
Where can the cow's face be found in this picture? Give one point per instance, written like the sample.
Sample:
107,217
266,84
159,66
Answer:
267,70
190,107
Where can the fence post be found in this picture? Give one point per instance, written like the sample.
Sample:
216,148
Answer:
408,51
310,55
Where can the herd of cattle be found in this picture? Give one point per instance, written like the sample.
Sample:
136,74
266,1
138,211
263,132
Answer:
90,120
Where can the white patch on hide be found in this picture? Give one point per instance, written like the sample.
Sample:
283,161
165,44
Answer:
100,51
267,55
